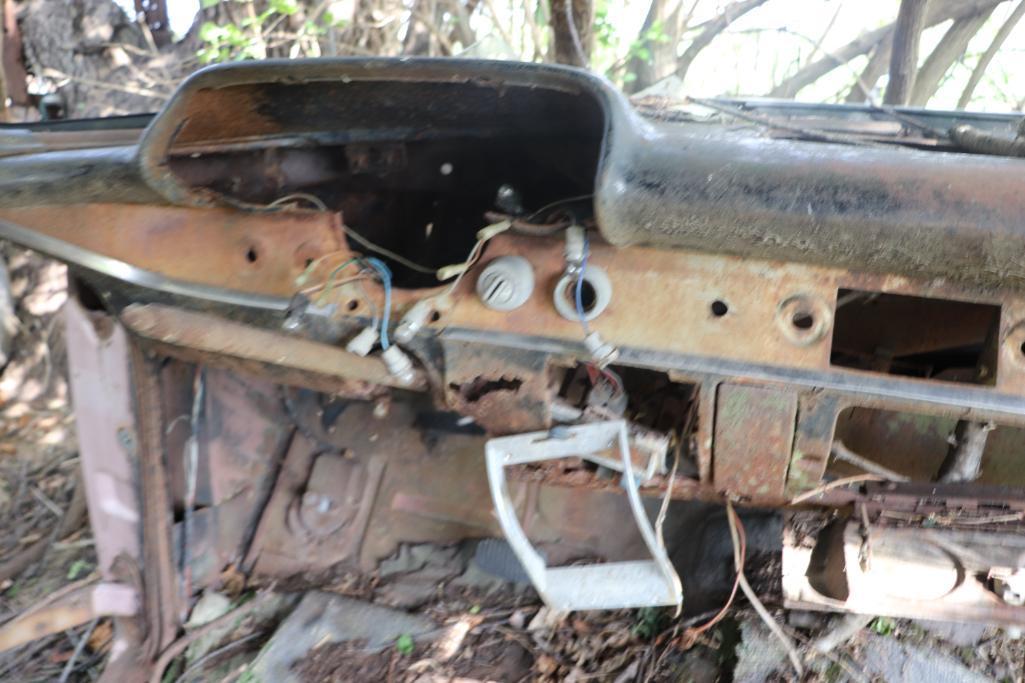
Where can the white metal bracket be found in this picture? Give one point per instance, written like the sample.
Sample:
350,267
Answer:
611,585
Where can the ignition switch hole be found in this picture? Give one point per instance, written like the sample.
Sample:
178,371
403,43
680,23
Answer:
588,297
803,320
719,308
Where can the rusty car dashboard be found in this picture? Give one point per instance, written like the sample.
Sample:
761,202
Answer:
426,300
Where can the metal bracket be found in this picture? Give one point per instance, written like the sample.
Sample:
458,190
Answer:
612,585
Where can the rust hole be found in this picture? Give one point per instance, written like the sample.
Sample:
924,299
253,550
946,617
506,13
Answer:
481,387
719,308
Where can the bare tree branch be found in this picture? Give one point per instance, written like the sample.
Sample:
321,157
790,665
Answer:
713,28
987,56
950,49
904,59
938,12
878,62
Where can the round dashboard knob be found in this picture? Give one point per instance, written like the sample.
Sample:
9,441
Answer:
506,283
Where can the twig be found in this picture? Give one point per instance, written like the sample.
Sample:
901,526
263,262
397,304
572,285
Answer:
735,532
70,666
47,503
843,481
70,521
133,90
178,646
780,125
841,452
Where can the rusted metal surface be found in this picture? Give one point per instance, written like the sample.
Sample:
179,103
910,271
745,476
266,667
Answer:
77,607
754,432
255,253
161,597
505,391
100,384
288,360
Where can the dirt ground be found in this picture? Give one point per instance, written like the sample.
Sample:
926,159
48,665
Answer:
476,635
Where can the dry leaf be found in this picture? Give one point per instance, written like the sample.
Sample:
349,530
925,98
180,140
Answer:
101,637
546,665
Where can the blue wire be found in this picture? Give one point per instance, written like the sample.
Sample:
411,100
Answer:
580,289
385,275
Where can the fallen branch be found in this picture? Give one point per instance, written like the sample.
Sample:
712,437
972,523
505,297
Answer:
179,646
72,519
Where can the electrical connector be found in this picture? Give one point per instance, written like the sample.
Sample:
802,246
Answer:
398,363
575,249
413,321
601,351
363,342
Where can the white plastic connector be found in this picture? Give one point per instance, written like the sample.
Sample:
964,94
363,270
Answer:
413,321
601,351
363,342
398,363
574,250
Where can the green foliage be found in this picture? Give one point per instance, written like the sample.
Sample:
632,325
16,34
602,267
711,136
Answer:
248,677
246,39
78,568
404,645
650,622
884,626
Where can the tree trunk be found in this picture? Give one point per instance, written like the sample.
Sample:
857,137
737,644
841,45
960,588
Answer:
904,59
661,52
572,22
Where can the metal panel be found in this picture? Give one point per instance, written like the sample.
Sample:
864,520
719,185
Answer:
754,430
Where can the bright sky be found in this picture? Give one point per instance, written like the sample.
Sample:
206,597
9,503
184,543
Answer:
769,41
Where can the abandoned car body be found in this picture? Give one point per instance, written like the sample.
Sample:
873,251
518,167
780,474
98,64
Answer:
326,308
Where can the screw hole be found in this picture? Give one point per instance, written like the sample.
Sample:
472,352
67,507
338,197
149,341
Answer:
251,255
803,320
352,305
435,316
719,308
